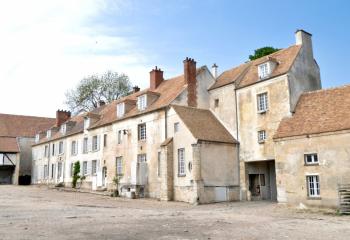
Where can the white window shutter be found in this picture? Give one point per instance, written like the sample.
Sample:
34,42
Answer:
90,144
97,166
89,166
98,142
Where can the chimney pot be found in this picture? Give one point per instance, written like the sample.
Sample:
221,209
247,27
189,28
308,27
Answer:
214,70
136,89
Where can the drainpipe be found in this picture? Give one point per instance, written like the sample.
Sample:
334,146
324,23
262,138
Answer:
238,146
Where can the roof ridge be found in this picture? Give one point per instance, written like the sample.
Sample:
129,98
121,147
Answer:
20,115
326,89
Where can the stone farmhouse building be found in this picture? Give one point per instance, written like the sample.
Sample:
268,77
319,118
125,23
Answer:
16,138
199,137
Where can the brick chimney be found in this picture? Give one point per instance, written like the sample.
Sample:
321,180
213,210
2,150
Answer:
62,116
156,78
135,89
190,79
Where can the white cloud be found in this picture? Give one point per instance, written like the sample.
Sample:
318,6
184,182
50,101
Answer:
46,47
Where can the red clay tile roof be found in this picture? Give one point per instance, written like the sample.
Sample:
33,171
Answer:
318,112
203,124
247,73
23,126
9,144
167,91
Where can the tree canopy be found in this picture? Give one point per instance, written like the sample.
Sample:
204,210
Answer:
260,52
95,88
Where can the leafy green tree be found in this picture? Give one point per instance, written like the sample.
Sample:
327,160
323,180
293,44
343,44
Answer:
260,52
76,176
93,89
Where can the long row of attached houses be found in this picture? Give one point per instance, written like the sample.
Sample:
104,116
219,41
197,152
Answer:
264,130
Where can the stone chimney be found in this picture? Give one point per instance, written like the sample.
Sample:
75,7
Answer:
190,73
214,70
135,89
304,38
61,117
156,78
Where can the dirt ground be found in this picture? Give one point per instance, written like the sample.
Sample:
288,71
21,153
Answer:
31,212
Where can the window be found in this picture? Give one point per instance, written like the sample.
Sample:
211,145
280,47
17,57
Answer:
176,127
85,145
311,159
59,170
262,102
216,103
46,171
52,170
120,109
53,149
93,167
60,147
63,128
74,148
46,151
313,185
159,166
37,138
119,164
142,102
142,131
104,140
71,169
261,136
264,70
141,158
48,134
86,123
95,143
85,168
181,161
120,136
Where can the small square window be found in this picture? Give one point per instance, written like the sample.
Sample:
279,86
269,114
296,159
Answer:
176,127
142,131
261,136
216,103
311,159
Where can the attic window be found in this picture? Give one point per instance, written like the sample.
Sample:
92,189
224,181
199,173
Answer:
264,70
120,109
142,102
37,138
63,129
86,123
48,134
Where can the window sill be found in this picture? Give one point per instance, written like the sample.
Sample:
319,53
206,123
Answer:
263,111
314,198
181,175
261,142
311,164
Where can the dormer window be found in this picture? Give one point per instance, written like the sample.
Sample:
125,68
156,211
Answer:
120,109
86,123
37,137
142,102
48,133
264,70
63,129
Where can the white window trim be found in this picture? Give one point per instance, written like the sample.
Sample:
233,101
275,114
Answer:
264,136
85,145
93,168
95,145
315,195
63,129
86,123
48,134
142,102
313,162
266,73
120,109
262,106
142,131
60,147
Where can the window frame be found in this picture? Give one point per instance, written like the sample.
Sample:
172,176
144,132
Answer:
264,70
262,101
142,134
313,192
120,109
85,145
60,148
313,161
94,143
264,136
93,167
142,157
181,161
142,102
73,150
119,166
86,123
85,168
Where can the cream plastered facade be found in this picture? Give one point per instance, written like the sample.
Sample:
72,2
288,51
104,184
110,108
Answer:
333,168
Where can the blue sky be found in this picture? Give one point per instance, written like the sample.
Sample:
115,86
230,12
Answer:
48,46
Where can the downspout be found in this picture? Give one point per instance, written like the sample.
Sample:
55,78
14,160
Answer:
238,146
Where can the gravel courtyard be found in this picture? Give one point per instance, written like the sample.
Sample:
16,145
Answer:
39,213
